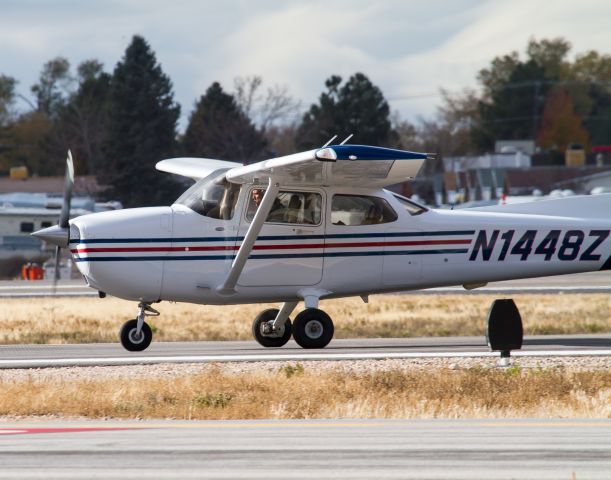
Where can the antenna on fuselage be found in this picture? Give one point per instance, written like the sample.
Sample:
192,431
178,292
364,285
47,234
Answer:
329,142
347,138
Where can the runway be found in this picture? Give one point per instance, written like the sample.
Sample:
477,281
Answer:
351,449
100,354
592,282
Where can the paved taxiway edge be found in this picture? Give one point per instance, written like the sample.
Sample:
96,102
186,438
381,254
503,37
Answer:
352,449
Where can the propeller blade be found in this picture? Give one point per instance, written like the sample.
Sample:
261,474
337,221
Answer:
56,269
64,216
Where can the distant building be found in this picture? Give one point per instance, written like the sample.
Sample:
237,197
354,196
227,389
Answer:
546,179
527,147
16,225
602,155
514,159
83,185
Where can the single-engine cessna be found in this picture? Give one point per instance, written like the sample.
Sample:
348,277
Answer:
312,226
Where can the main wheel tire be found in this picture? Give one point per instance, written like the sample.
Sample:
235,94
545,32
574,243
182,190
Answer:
313,328
278,339
132,342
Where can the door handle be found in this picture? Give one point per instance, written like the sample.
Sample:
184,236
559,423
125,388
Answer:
302,231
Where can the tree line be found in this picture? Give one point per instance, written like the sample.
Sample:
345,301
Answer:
120,124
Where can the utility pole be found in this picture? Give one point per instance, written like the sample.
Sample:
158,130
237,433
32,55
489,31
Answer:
536,93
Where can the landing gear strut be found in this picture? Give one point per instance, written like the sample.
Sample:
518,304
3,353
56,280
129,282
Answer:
136,334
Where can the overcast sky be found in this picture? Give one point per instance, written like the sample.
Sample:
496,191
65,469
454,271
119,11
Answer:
408,48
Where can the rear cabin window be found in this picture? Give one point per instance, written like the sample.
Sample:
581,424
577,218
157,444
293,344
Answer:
288,207
353,210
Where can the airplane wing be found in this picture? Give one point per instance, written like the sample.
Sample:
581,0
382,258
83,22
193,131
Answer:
346,165
194,168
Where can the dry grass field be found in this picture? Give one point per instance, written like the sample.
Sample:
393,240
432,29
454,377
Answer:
292,391
78,320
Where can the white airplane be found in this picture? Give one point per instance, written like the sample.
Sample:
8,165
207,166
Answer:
312,226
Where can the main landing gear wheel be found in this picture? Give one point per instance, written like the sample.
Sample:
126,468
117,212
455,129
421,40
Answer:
261,329
131,340
313,328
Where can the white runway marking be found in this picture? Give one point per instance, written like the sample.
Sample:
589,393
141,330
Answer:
49,294
29,286
135,360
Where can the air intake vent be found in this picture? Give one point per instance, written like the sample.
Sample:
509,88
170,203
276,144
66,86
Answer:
75,233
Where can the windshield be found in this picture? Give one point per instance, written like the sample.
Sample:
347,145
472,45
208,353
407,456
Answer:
409,205
212,196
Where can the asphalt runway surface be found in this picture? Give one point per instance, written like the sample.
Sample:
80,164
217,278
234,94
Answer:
35,356
592,282
342,449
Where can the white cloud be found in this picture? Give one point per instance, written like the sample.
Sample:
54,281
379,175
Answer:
406,48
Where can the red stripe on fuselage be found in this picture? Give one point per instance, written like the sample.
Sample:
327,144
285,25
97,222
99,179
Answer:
411,243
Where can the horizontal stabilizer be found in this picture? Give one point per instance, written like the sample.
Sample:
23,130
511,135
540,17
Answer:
582,206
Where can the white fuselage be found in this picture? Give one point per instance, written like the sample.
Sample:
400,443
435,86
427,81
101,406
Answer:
173,253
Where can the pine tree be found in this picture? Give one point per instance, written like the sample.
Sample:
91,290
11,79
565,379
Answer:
141,129
219,129
357,107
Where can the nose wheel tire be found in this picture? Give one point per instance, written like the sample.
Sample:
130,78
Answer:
313,328
131,340
261,329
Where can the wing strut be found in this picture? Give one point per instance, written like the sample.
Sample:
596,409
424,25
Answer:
228,286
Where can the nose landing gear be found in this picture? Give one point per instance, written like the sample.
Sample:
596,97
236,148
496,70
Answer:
136,335
264,332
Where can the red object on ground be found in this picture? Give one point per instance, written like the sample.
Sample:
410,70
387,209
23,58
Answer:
35,272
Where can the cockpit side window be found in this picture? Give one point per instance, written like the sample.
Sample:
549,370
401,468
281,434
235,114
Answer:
288,207
212,197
